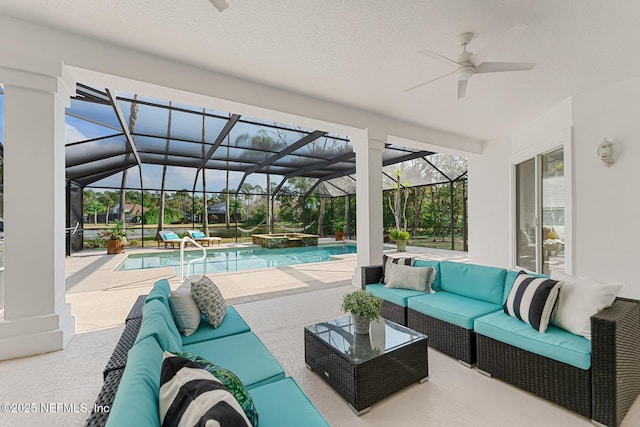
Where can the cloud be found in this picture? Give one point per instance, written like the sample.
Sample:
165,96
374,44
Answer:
71,134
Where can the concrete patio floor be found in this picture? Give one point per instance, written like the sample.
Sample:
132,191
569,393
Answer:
277,304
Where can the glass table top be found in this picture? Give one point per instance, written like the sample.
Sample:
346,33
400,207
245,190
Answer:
384,337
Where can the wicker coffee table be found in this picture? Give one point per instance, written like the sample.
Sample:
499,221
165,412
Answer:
365,369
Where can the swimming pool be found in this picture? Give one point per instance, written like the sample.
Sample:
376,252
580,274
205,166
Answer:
236,259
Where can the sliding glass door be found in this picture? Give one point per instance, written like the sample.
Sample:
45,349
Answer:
540,208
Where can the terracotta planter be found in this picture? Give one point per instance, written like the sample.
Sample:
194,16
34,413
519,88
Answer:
115,246
339,235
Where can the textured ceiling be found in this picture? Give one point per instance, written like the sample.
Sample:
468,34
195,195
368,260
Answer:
365,53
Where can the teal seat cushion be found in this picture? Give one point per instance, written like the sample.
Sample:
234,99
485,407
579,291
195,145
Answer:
396,296
232,324
433,264
136,402
158,322
160,291
283,404
555,343
452,308
244,354
474,281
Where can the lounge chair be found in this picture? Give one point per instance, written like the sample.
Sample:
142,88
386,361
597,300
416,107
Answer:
168,237
202,238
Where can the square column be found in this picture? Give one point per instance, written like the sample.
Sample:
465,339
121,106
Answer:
36,317
369,225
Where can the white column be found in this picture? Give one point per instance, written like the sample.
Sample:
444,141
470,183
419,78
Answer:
369,229
36,317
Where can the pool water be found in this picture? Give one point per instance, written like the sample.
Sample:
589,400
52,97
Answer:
236,259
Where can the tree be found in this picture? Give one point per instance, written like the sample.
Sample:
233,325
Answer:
263,146
92,208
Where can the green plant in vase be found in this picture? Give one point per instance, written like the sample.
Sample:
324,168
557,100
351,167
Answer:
364,307
400,237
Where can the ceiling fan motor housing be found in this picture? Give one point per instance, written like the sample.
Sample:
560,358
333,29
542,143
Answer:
465,72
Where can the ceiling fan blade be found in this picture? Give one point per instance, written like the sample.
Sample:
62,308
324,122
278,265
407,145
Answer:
434,55
462,88
427,82
496,67
505,38
219,4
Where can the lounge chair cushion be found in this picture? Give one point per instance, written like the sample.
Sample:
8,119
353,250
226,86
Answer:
299,410
452,308
244,354
198,235
184,309
209,300
136,402
232,324
170,235
556,343
190,396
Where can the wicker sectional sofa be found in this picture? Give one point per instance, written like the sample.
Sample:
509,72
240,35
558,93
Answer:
598,379
132,374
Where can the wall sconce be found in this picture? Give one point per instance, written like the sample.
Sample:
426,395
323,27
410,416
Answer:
605,152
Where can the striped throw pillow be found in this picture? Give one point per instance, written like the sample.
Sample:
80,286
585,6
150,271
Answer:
191,396
387,261
532,299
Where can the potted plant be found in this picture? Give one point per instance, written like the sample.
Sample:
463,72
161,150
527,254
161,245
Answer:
401,237
116,238
338,229
364,307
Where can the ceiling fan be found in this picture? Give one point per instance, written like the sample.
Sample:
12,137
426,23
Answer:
219,4
469,63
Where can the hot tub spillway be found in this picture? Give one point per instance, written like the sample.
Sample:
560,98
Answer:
284,240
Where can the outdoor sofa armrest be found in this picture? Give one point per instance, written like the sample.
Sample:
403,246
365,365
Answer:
615,360
371,274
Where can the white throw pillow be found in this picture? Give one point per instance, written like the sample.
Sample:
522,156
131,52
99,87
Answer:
184,309
408,277
579,299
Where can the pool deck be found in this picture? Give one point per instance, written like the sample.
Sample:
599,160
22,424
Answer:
91,277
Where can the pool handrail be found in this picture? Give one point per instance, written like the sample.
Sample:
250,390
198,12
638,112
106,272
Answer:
187,239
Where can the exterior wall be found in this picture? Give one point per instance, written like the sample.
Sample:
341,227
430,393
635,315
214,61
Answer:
489,189
607,202
605,208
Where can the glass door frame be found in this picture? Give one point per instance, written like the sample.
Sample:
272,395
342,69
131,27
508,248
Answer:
561,140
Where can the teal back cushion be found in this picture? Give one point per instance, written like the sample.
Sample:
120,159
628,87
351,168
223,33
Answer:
136,402
160,291
434,264
198,235
474,281
158,322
